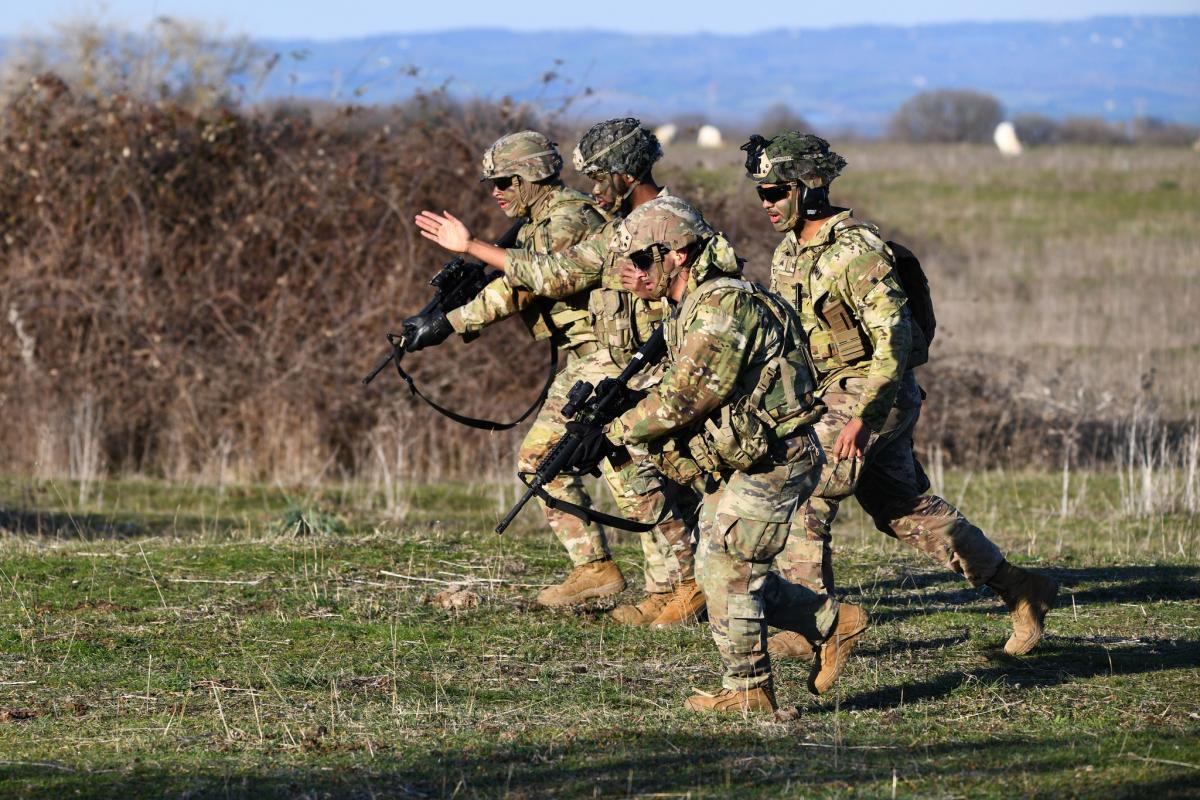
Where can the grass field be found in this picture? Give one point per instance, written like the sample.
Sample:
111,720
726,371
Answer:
168,641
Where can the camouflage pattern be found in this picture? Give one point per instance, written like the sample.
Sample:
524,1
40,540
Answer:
620,322
854,266
640,497
866,376
744,524
528,154
619,146
717,345
891,486
559,218
792,157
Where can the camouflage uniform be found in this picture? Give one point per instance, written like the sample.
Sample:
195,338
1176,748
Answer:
558,217
846,268
735,404
620,322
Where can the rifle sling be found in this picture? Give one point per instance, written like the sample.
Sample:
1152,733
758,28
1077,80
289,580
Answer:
591,515
473,422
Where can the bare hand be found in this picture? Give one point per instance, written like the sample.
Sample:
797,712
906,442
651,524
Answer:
852,440
635,281
445,229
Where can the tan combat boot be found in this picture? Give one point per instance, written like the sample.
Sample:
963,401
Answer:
788,644
644,612
833,653
1029,596
586,582
734,701
687,604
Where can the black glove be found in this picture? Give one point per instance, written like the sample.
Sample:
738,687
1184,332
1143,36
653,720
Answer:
626,398
593,448
426,330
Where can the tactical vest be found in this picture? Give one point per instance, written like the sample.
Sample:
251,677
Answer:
841,340
771,401
568,320
622,321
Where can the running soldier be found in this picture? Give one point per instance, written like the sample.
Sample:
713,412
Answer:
841,277
618,156
734,409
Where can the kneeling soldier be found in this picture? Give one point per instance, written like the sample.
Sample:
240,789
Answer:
734,410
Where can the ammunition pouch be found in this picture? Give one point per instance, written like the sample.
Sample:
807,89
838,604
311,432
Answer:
622,321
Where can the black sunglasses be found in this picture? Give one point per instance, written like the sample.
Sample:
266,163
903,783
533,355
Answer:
773,194
644,259
503,184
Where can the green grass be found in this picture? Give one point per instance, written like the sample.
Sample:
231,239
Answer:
164,641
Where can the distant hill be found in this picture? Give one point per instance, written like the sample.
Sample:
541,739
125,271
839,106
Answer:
849,77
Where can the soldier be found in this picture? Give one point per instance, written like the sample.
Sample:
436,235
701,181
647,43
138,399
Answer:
735,406
839,274
618,155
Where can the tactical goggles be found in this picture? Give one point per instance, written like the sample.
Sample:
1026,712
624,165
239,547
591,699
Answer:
773,194
503,184
647,257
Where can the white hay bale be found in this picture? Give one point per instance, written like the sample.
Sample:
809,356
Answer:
666,133
1005,137
709,136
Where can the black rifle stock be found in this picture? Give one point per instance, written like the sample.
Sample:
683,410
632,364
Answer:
596,411
455,284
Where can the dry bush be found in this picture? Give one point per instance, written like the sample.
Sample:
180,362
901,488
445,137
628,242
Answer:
216,283
946,115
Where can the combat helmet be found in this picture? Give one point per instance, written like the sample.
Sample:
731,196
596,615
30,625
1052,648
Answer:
620,146
528,155
671,223
792,157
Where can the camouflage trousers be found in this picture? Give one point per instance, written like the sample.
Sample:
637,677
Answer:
744,523
638,493
891,487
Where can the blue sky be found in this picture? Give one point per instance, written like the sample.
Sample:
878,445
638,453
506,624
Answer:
330,19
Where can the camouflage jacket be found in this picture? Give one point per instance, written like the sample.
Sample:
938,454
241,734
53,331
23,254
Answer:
621,320
560,219
719,343
850,268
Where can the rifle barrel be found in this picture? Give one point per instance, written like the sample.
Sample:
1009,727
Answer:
512,512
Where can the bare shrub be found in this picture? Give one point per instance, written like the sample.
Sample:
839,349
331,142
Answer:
780,117
1159,133
219,281
946,115
1035,130
187,62
1091,130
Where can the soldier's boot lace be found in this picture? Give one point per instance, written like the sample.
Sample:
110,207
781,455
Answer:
734,701
832,654
586,582
642,613
1029,596
789,644
687,604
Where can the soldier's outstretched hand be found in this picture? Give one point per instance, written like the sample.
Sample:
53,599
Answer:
445,229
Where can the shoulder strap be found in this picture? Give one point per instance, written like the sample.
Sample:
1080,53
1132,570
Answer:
462,419
591,515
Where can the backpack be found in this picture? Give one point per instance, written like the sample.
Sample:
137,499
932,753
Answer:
916,286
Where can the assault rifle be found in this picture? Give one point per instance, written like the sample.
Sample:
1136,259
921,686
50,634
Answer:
455,284
594,407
